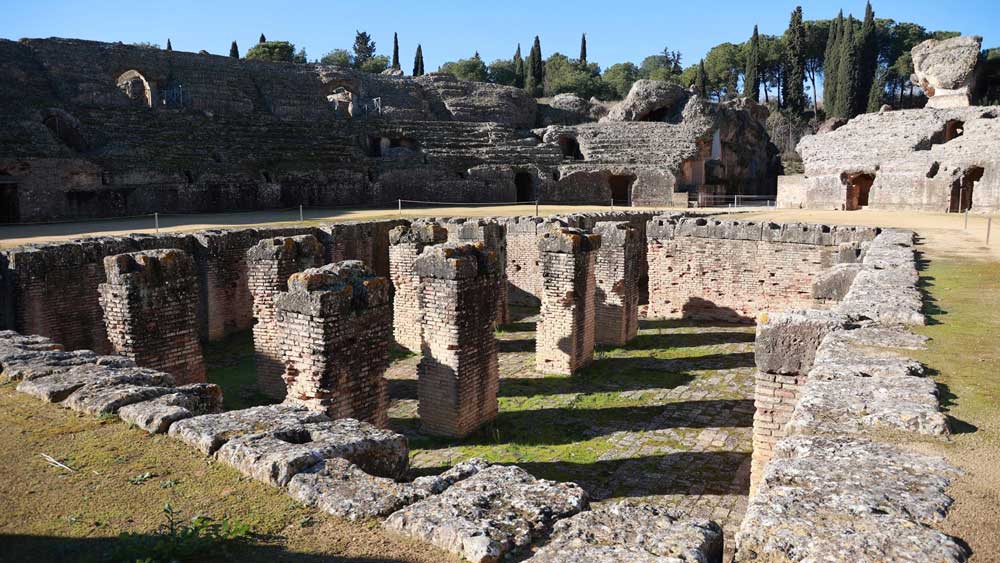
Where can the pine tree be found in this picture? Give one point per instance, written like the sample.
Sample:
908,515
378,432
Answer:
234,51
535,79
262,39
583,50
364,48
701,81
418,62
868,59
795,63
751,81
518,68
847,73
169,46
395,51
831,64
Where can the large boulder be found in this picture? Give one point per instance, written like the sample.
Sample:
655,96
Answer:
649,100
570,109
946,70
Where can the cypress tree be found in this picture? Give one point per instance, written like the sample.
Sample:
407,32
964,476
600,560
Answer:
395,52
847,73
418,62
169,46
831,63
535,79
701,81
262,39
795,63
234,51
868,59
751,81
583,50
875,94
518,68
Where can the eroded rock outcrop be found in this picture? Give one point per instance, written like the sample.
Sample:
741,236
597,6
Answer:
946,70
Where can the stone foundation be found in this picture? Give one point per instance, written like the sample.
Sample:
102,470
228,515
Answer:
458,376
270,262
336,322
150,310
565,332
616,273
406,244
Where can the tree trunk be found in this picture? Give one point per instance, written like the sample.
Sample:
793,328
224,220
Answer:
812,78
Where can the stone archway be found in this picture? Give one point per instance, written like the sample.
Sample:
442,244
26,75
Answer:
859,187
136,87
621,188
961,190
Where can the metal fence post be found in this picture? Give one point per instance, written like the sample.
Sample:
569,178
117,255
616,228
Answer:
156,222
400,202
301,216
966,219
989,225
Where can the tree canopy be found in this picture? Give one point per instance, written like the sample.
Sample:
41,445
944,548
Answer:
276,51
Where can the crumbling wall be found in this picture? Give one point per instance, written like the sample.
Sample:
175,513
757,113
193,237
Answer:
617,270
493,235
407,242
732,270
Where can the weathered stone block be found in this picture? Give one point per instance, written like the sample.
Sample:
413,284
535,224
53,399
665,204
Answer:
56,387
208,432
156,416
99,398
786,343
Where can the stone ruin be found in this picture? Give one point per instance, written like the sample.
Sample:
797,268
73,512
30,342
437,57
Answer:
941,158
99,129
832,305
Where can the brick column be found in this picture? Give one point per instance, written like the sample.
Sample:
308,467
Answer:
150,303
336,322
617,272
406,243
565,333
269,264
458,376
493,235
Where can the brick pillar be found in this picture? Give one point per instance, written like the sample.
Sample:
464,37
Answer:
406,243
617,272
269,264
150,303
493,235
784,350
336,322
458,376
565,333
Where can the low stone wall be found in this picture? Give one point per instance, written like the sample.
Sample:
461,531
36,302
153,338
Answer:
834,396
710,269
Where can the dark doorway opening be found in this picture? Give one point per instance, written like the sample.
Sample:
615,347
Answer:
9,209
952,129
570,148
659,114
374,146
525,185
621,188
859,188
961,190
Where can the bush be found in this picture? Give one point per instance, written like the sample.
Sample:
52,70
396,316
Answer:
619,79
175,540
375,64
338,57
277,51
501,71
467,69
568,76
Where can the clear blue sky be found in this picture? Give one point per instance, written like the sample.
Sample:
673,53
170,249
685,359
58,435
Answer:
616,30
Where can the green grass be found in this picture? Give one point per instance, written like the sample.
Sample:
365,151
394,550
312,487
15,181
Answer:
229,364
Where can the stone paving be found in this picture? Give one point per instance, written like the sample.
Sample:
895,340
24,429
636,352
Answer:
666,419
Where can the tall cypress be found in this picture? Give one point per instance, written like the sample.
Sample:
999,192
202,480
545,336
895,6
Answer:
535,79
262,39
234,51
418,62
169,46
751,80
868,58
583,50
701,81
518,68
847,74
395,51
875,93
795,63
831,64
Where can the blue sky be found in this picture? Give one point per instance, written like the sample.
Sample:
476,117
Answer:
616,31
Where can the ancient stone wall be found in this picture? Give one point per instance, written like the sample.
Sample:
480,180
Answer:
458,375
270,263
732,270
150,311
616,272
407,242
565,331
493,235
336,322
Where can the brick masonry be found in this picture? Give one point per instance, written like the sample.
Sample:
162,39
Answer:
150,310
406,244
270,263
617,272
493,235
565,335
458,375
336,323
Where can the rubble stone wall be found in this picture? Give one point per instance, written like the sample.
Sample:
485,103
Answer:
407,242
458,374
270,263
150,311
336,322
732,270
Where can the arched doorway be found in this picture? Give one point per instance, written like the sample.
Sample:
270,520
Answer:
621,188
961,190
859,187
524,182
136,87
570,148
